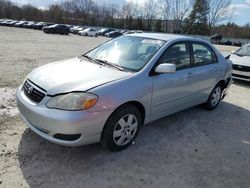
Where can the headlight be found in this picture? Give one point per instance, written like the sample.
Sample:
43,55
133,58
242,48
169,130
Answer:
73,101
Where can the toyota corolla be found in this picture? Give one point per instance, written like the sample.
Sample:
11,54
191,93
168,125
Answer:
107,94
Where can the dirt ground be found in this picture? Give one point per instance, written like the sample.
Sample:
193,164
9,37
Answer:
193,148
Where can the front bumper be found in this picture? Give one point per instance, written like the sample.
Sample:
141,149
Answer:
48,123
227,86
241,75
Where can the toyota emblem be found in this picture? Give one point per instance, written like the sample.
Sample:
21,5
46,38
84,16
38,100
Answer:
30,90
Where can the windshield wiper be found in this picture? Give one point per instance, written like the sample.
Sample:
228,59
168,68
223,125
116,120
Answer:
110,64
240,55
92,60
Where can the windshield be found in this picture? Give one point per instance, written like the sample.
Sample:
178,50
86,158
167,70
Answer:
243,51
129,52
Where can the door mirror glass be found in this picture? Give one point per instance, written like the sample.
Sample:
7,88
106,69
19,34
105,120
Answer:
165,68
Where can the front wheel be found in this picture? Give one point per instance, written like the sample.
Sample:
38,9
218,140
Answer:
214,98
121,128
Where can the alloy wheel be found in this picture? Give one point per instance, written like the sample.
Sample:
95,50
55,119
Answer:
125,129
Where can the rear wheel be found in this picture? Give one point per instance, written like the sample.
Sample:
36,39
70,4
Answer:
121,128
214,98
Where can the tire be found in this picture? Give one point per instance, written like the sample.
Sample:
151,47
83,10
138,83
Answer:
126,132
214,98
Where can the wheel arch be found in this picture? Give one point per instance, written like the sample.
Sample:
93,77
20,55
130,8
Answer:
136,104
223,82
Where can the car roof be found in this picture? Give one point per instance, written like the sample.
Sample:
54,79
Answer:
160,36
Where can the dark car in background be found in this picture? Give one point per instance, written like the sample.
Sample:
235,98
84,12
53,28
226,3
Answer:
102,32
39,25
56,29
29,24
113,34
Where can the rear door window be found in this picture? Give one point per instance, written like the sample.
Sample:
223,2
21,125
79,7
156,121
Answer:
203,55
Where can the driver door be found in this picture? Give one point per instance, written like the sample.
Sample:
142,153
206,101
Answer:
173,91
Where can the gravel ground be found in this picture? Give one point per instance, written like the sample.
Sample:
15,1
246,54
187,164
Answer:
193,148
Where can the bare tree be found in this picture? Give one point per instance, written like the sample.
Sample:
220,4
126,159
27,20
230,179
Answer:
219,12
165,8
175,11
150,13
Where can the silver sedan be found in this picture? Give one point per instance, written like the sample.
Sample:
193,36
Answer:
107,94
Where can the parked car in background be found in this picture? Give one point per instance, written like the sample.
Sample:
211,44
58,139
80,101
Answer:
39,25
216,38
5,22
113,34
237,43
107,94
123,31
76,30
11,23
56,29
103,31
29,24
241,63
88,32
20,23
133,31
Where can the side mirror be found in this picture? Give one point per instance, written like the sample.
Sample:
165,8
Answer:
165,68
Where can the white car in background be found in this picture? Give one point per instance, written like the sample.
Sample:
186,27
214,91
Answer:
241,63
88,32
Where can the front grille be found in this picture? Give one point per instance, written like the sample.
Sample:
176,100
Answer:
241,68
32,92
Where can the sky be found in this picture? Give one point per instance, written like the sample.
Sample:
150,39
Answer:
241,8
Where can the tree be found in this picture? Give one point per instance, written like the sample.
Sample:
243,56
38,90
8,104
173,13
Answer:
176,10
197,22
219,12
158,26
150,13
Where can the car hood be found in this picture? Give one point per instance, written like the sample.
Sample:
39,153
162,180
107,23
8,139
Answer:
73,75
238,60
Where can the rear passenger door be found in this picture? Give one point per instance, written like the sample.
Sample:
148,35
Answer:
204,71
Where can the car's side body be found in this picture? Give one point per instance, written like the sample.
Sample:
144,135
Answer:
155,95
161,95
